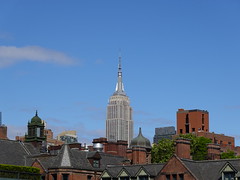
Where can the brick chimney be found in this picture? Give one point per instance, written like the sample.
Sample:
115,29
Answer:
3,132
213,151
182,148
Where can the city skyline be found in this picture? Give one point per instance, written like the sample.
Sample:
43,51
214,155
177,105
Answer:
61,58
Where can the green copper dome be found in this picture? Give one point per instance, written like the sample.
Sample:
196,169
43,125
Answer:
36,119
141,141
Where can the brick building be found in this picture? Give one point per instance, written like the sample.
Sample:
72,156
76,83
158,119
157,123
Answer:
110,147
197,122
3,129
3,132
189,121
69,163
179,167
139,151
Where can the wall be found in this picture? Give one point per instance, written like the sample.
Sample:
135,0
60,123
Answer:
174,167
198,120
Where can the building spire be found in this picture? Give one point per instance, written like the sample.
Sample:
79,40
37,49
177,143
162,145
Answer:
119,86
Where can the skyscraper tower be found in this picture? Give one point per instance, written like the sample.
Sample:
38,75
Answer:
119,123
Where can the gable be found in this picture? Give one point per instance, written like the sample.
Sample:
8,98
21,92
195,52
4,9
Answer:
123,173
176,166
38,165
105,175
142,172
228,168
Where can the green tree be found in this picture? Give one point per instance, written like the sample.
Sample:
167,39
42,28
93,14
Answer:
198,146
228,155
162,151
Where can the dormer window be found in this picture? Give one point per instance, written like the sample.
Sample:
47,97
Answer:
96,163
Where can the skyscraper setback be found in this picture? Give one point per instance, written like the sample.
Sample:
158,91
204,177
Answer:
119,123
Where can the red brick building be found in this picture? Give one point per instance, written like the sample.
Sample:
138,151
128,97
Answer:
197,122
189,121
179,167
3,132
139,151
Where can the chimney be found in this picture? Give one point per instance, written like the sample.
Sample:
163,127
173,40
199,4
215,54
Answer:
213,151
182,148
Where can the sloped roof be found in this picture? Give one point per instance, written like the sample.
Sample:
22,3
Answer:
15,152
209,169
45,160
64,159
108,159
154,169
74,158
151,169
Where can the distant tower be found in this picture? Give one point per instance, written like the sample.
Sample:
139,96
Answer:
35,131
119,123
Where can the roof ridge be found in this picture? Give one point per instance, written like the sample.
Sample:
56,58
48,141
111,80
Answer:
204,161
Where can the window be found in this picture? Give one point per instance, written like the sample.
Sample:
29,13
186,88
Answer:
143,177
180,131
96,163
168,177
187,128
90,177
38,132
54,176
203,128
181,177
202,118
65,176
228,175
124,178
193,129
174,177
187,119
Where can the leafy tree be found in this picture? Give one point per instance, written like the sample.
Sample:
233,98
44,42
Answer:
228,155
162,151
198,146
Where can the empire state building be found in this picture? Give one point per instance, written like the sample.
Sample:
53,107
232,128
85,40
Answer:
119,123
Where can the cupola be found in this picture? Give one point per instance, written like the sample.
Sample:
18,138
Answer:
36,119
140,141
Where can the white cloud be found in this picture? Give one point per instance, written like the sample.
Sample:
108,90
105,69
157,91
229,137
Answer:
10,55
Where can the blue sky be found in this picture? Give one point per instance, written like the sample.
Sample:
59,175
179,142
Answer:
60,57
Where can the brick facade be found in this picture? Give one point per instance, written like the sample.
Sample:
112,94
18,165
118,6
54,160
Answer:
197,122
189,121
225,142
182,148
115,148
3,132
175,169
